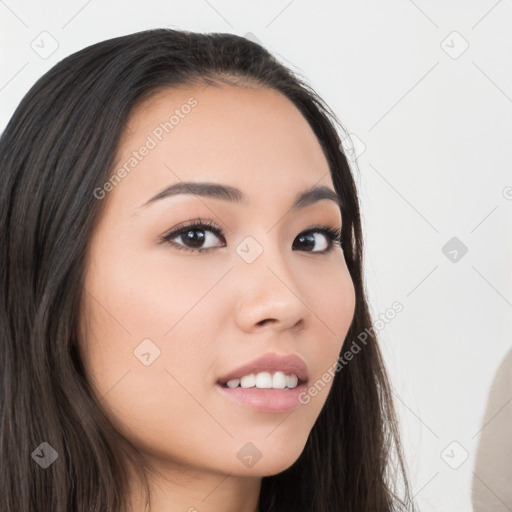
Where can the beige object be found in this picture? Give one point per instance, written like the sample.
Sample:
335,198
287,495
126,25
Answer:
492,475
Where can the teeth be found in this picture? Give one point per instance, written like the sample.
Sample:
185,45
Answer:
248,381
292,381
233,383
265,380
279,380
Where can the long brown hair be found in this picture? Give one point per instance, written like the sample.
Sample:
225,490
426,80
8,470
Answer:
59,147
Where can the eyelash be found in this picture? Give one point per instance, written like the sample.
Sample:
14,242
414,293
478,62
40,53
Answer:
333,235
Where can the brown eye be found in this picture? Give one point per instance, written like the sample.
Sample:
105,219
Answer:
194,236
307,240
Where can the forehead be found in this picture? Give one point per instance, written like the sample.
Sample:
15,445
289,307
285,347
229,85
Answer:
253,138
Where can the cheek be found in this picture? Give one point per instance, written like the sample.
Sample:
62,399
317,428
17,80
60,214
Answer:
148,293
144,313
149,308
335,298
331,299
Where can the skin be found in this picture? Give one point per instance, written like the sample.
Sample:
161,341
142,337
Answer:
209,313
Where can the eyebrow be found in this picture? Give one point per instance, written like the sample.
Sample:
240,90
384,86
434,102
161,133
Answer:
235,195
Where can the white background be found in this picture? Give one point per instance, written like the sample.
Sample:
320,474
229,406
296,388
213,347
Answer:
433,124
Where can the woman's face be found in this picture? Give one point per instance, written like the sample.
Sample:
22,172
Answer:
164,323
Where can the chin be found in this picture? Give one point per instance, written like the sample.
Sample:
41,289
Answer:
267,457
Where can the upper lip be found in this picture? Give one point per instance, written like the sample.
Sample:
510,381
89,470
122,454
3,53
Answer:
289,364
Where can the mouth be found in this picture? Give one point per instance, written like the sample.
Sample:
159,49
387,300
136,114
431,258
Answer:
270,371
276,381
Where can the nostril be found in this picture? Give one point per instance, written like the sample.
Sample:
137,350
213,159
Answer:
298,324
262,322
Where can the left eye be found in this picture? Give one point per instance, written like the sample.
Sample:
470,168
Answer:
308,239
194,235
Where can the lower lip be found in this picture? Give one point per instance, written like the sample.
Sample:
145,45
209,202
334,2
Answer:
265,400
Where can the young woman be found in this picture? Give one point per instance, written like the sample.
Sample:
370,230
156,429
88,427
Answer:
182,288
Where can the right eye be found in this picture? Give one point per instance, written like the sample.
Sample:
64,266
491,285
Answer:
193,234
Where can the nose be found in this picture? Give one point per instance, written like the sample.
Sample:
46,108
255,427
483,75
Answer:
268,295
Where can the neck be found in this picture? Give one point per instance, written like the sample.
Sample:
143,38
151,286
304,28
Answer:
194,490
